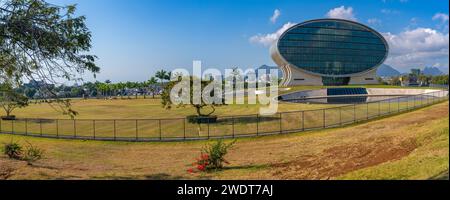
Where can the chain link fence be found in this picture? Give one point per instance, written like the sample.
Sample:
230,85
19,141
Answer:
179,129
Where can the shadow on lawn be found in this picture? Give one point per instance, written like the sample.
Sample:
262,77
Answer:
159,176
247,119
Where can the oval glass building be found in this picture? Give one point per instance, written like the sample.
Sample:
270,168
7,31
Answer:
329,52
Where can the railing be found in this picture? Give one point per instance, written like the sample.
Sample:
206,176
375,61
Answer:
179,129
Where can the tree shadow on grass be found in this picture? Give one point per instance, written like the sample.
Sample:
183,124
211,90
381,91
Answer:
158,176
248,119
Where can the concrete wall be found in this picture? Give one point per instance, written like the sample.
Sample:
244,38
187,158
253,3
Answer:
362,79
386,91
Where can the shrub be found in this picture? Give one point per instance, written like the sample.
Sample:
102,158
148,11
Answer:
216,153
212,157
32,154
13,150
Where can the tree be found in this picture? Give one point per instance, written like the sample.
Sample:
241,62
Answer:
76,92
46,42
199,107
152,86
162,75
10,99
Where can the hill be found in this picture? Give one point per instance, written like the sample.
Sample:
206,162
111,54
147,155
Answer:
432,71
386,71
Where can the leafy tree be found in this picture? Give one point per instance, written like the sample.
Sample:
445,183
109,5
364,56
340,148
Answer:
76,92
440,80
42,41
199,107
162,75
152,86
10,100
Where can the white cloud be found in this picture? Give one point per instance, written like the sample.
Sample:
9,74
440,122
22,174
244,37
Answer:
269,39
374,21
441,16
342,13
275,16
418,48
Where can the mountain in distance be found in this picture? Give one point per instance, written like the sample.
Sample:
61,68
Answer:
387,71
432,71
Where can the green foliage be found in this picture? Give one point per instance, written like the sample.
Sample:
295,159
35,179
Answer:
10,99
216,154
13,150
32,154
167,103
44,42
440,80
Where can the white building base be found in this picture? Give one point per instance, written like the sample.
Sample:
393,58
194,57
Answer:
293,76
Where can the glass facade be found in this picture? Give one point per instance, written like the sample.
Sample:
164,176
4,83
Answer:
333,47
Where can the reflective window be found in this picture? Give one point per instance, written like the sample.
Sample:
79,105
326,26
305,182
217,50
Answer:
332,47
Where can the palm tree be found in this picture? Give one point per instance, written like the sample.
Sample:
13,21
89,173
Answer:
152,86
161,75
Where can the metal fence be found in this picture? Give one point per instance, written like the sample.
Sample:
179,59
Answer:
176,129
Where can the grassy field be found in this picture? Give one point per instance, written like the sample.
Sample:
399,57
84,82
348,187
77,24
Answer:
408,146
147,110
151,108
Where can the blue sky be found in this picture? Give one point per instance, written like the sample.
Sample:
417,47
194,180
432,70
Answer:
135,38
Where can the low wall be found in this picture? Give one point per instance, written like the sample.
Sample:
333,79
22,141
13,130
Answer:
397,92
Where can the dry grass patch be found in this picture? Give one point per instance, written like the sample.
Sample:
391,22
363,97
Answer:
311,155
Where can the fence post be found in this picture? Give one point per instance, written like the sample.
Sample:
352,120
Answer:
421,100
324,122
281,128
389,107
184,128
407,103
354,113
40,126
303,120
26,126
57,128
115,136
340,116
379,108
1,120
367,111
160,132
93,124
398,107
208,128
232,125
12,126
137,132
257,124
75,128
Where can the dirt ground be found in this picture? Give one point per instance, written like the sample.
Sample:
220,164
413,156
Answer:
312,155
